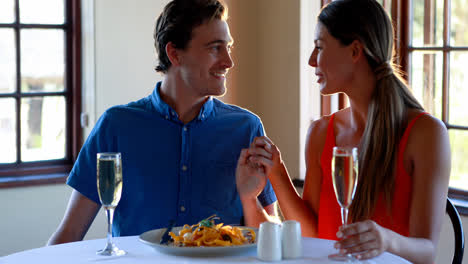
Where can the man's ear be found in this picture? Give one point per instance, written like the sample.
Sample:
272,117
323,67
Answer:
172,54
357,50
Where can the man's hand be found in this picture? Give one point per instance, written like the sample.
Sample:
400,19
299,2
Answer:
255,165
250,177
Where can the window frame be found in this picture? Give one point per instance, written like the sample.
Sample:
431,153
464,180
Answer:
404,50
49,171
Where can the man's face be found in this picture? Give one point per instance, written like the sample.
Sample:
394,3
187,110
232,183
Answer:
206,60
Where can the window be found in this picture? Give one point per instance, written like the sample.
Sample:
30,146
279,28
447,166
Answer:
437,52
39,90
433,50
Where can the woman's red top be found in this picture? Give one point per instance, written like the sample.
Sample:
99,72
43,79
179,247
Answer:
329,216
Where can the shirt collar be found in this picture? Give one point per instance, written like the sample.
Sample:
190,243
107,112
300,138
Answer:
167,112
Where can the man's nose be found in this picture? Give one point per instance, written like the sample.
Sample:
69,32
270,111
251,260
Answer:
227,60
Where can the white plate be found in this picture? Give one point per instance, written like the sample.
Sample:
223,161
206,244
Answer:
152,238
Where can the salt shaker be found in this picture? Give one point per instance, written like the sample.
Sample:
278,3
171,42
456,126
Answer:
269,242
291,239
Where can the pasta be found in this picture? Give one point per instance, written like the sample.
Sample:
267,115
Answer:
208,234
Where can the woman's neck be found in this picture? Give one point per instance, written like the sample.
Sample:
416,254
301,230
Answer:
360,97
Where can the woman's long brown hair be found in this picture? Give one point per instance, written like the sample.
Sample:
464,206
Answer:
367,22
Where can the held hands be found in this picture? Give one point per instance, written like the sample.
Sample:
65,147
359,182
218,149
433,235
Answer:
265,153
250,177
364,239
254,166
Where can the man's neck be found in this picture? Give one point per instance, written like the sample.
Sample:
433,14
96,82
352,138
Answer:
181,98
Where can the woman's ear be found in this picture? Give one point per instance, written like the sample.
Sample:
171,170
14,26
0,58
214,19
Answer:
357,50
173,54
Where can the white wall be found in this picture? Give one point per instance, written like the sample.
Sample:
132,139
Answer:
31,214
279,56
125,57
269,57
271,73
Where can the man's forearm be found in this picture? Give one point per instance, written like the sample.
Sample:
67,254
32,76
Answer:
63,236
254,214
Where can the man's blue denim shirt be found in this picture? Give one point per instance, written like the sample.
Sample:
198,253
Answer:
171,170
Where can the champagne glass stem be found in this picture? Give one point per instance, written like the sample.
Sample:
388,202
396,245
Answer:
344,220
344,215
110,219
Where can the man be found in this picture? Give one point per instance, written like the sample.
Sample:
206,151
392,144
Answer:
179,145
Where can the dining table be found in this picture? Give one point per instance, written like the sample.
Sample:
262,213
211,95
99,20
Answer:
314,251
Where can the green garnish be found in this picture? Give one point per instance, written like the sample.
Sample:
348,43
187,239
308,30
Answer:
208,222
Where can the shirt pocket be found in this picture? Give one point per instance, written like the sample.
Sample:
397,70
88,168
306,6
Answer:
219,190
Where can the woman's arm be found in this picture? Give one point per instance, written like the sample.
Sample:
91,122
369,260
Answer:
429,149
303,210
428,157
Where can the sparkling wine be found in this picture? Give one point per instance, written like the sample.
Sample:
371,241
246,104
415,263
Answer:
109,186
344,175
109,181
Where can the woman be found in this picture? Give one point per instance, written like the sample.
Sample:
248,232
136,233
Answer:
404,153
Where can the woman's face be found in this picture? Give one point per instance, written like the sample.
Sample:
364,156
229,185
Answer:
332,62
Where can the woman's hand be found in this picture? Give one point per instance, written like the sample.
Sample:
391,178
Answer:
264,153
364,239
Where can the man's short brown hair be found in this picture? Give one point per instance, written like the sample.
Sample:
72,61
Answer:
177,21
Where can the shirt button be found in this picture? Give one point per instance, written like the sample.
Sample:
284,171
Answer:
184,168
203,116
185,129
182,208
167,117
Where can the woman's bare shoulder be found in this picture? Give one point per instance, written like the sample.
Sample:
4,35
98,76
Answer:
426,125
318,128
427,135
316,136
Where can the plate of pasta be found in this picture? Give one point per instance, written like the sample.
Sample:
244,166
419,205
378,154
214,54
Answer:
203,239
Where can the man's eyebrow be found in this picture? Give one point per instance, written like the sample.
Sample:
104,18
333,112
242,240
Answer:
219,41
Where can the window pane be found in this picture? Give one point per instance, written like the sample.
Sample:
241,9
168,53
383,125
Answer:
387,4
42,12
7,11
43,128
459,147
427,23
459,27
426,80
7,130
7,61
458,114
42,60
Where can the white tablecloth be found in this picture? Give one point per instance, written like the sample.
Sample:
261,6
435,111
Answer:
315,251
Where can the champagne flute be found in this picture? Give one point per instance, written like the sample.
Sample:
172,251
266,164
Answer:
109,185
345,176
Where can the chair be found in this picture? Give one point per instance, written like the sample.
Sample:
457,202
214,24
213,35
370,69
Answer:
458,232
